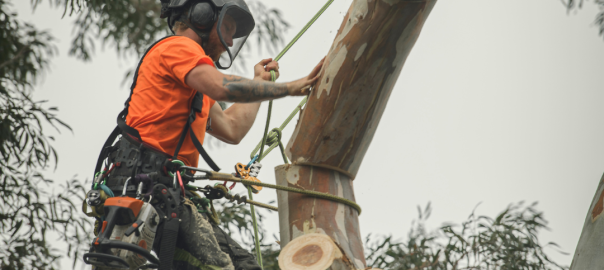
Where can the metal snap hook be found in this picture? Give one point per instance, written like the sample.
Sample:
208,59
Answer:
126,186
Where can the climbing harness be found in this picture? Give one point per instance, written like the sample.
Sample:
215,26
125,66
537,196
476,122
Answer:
132,159
122,127
158,198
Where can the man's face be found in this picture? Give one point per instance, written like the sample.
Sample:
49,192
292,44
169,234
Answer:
228,28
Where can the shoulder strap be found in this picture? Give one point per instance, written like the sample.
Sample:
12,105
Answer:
121,117
196,106
105,150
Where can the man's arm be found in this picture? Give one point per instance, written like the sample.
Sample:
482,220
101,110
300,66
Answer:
232,124
209,81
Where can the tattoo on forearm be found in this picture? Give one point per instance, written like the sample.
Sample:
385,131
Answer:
245,90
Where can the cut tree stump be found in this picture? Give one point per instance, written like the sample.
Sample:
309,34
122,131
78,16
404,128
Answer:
313,252
300,214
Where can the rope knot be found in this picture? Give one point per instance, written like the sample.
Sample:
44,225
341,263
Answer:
274,137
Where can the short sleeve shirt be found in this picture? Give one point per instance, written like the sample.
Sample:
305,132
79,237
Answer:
161,100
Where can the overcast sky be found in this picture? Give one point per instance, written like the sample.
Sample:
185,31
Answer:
498,102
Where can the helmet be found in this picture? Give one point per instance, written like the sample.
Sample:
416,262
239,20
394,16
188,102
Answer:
234,19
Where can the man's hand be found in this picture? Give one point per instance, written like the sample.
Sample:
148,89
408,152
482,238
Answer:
262,70
303,86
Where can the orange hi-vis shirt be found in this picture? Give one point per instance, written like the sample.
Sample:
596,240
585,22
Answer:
161,101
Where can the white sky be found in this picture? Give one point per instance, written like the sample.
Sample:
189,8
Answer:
499,101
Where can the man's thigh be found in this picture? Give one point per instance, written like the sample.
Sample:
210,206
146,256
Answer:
196,246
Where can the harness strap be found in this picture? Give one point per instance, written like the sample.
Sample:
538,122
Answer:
106,148
168,244
121,124
202,152
121,117
196,107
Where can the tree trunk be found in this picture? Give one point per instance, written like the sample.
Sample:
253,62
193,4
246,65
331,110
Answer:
341,117
589,251
300,215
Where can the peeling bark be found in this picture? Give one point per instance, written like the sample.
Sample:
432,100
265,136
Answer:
588,254
359,73
300,215
340,119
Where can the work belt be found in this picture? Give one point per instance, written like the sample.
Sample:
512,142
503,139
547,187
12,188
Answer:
130,157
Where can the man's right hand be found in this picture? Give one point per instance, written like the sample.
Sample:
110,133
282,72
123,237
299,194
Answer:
262,70
302,87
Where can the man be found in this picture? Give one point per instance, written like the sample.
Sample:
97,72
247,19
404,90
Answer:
177,84
198,74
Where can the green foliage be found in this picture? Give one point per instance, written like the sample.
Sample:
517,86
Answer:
270,254
269,31
28,211
131,26
128,26
578,4
268,34
508,241
236,220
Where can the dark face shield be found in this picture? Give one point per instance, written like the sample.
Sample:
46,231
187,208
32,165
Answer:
234,26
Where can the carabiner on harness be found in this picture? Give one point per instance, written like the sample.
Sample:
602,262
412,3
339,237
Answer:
178,165
180,183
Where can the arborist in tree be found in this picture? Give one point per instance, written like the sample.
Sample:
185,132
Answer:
171,107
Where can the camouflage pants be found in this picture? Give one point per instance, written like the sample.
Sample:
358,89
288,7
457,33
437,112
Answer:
202,245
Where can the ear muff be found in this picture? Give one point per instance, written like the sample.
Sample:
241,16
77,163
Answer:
202,15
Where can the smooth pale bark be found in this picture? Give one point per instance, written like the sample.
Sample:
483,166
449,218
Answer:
589,253
300,214
340,119
365,61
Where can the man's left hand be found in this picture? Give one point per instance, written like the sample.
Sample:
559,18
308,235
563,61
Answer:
262,70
